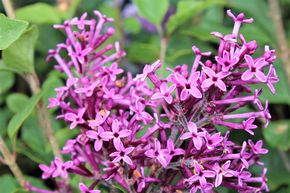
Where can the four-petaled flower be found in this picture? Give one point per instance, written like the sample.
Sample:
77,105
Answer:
222,171
96,135
76,119
200,174
116,134
171,151
157,153
122,154
113,71
165,93
214,79
254,69
212,141
189,86
61,168
194,135
84,189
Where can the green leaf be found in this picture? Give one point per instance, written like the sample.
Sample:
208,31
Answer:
7,80
20,54
187,9
140,52
4,116
277,134
18,119
30,128
132,25
10,30
277,173
152,10
16,102
8,184
38,13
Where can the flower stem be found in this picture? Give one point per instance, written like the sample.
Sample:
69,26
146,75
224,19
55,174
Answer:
280,35
9,160
9,8
43,115
163,48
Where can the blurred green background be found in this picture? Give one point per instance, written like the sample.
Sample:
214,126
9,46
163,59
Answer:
138,28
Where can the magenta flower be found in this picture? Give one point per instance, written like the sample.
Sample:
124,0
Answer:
254,69
189,86
200,174
84,189
194,135
80,54
165,93
147,70
143,180
257,148
122,154
47,170
212,141
222,171
76,119
61,168
120,140
157,153
116,134
226,62
88,90
96,135
214,79
171,151
113,71
100,118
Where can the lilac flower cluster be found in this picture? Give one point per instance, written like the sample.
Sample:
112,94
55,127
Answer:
163,138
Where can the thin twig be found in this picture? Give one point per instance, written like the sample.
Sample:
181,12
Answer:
119,23
163,48
285,159
280,35
43,115
9,8
9,160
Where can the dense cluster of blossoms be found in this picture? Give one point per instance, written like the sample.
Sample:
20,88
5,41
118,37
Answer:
163,138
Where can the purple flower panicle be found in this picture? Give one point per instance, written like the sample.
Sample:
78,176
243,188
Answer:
125,138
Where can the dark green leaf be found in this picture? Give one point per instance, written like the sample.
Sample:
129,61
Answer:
188,9
16,102
20,54
8,184
31,128
38,13
277,134
10,30
152,10
6,81
18,119
277,173
132,25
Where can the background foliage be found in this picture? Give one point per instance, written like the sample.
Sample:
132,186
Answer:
143,28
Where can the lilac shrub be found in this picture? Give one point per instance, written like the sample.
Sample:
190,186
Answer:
163,137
